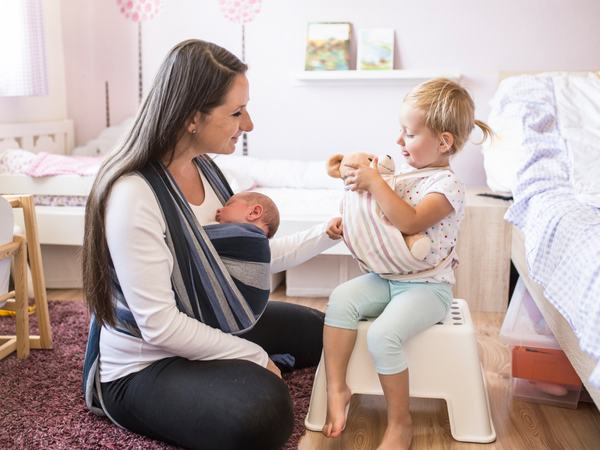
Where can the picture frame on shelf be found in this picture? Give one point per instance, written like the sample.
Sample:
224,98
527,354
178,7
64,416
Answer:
328,46
375,49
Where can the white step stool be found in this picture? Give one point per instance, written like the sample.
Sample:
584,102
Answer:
443,363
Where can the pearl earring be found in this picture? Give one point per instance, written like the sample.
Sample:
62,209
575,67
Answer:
194,131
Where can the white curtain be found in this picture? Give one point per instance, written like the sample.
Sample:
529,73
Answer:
22,50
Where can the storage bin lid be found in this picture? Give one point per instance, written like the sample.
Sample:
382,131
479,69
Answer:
524,324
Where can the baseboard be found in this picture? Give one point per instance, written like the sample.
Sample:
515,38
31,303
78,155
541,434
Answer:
307,292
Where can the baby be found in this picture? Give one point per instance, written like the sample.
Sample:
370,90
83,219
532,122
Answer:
251,207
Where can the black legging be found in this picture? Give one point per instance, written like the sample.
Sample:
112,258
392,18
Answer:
221,404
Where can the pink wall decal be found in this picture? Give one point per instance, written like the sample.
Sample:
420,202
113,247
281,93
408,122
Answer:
240,11
139,10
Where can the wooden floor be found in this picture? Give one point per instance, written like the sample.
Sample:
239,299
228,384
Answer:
519,425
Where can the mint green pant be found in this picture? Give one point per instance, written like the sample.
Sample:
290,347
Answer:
401,309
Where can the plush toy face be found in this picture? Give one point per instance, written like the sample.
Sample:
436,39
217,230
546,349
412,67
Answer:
337,165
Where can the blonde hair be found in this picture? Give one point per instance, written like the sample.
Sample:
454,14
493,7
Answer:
270,216
448,107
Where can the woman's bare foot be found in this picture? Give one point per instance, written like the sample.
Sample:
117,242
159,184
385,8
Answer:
397,437
337,408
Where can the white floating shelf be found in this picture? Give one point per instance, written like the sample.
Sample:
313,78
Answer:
368,76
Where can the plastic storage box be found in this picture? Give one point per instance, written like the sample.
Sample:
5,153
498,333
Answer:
541,371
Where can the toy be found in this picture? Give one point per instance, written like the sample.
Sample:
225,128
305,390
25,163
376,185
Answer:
419,244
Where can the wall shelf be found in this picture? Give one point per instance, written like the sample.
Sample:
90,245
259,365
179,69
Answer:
370,76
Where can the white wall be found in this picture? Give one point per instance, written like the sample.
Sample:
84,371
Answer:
480,39
477,38
51,106
100,46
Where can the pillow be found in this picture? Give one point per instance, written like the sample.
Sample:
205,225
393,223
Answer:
106,140
578,111
503,154
238,180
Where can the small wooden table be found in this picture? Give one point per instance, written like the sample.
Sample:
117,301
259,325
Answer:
484,243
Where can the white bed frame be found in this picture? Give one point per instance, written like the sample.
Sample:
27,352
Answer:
56,225
51,137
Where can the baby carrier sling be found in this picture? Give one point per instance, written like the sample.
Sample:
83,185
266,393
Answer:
221,272
376,244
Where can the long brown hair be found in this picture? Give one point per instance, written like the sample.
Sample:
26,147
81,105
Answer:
195,76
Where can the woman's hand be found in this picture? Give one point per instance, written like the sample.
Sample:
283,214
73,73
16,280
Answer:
362,178
271,367
334,228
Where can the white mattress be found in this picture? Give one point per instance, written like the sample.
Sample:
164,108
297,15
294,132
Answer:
299,209
303,208
303,192
57,225
54,185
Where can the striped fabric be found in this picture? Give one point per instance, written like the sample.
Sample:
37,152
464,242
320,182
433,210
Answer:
221,272
376,244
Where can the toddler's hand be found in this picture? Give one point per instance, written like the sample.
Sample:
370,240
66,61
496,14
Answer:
334,228
362,178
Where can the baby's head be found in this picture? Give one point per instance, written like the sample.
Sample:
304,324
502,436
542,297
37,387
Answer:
444,109
251,207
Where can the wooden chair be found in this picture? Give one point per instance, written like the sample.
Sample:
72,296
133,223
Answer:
17,300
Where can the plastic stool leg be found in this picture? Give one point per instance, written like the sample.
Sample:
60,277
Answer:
469,409
317,410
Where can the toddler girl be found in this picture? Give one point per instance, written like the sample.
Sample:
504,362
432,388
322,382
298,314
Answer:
436,119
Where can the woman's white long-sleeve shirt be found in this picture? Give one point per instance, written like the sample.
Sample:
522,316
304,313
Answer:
135,233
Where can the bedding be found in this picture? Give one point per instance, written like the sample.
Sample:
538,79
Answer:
24,172
577,102
23,162
578,111
556,214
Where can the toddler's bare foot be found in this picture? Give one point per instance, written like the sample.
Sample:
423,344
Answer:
397,437
337,406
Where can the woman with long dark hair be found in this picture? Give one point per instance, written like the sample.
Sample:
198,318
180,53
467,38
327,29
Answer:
181,337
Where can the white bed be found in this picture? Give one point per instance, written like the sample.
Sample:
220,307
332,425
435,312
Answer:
51,137
57,226
61,227
548,159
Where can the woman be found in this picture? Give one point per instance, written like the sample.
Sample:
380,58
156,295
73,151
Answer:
195,377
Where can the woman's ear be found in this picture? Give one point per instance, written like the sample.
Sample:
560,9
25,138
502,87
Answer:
446,141
194,122
333,165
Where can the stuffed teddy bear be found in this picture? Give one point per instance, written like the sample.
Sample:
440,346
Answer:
419,244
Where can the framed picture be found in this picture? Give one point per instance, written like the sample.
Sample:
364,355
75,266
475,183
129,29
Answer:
375,49
328,46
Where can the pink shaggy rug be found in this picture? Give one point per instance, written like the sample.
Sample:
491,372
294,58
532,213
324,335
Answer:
42,407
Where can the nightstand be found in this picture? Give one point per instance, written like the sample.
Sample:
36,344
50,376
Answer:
484,241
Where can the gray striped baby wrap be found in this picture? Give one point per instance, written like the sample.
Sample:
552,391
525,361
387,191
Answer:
221,272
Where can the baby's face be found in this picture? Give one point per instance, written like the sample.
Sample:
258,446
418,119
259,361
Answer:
235,210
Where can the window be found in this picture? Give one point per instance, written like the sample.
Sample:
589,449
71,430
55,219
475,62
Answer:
22,53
